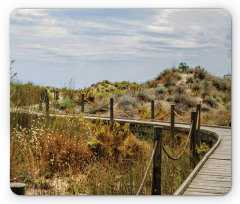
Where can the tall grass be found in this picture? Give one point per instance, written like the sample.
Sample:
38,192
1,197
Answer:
75,156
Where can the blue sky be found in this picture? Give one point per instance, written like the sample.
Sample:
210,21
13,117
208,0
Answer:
53,46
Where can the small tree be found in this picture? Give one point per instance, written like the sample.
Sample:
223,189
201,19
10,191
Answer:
183,66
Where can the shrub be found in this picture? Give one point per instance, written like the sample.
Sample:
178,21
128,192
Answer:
190,71
205,108
65,103
228,106
202,150
171,90
211,101
216,83
160,90
118,93
221,84
180,90
152,84
177,76
106,82
189,102
195,87
168,83
169,98
143,96
199,73
189,80
163,74
127,100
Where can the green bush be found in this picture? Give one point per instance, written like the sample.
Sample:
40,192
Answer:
202,150
183,66
65,103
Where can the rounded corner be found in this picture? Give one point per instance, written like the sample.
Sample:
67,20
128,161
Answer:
13,12
228,192
227,12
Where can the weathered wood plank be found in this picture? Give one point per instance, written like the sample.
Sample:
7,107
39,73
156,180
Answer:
198,193
212,184
213,178
220,190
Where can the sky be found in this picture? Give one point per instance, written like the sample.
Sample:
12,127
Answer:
52,47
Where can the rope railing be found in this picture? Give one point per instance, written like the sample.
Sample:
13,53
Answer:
182,117
94,104
120,111
135,110
98,109
176,158
145,175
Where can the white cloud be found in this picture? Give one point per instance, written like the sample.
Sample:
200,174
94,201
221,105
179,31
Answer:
170,34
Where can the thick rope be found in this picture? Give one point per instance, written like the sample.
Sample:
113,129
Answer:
120,111
197,121
183,148
135,110
125,113
161,116
187,117
145,175
95,110
94,104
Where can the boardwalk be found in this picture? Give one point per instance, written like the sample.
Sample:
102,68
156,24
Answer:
214,178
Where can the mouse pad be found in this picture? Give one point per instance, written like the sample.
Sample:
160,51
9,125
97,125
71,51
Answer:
120,101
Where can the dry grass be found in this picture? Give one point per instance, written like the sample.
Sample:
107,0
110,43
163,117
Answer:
74,156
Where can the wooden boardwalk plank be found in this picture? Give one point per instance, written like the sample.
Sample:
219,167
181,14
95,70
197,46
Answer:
215,177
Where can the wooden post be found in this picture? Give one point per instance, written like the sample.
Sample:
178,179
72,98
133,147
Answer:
193,139
198,110
157,160
45,96
40,103
152,109
18,188
172,124
57,95
111,108
47,104
82,104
